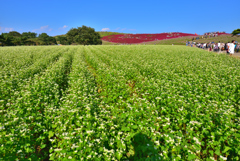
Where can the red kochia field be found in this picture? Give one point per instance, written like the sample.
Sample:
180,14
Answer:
139,38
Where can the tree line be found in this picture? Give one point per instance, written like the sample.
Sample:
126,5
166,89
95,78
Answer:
82,35
14,38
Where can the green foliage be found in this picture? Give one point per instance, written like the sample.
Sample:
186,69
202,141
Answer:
107,33
1,40
29,35
236,32
62,40
84,35
6,39
14,34
43,36
47,40
14,38
118,103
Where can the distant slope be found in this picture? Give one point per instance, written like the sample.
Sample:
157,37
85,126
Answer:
102,33
221,38
176,41
140,38
108,33
182,40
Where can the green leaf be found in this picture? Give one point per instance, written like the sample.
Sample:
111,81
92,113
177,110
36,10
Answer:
134,126
54,126
43,146
191,156
52,157
226,149
50,134
218,152
126,129
211,152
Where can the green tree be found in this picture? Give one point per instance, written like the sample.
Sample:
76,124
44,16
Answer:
46,39
1,40
14,34
17,40
11,38
51,40
71,34
236,32
84,35
43,36
29,34
7,39
62,40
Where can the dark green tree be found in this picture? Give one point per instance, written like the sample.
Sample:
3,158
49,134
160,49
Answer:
12,38
14,34
71,34
84,35
43,36
24,40
7,39
236,32
29,34
17,40
1,40
46,39
51,40
62,40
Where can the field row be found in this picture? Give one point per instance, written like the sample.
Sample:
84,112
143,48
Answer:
118,103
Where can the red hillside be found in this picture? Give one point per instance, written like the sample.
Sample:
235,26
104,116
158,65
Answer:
139,38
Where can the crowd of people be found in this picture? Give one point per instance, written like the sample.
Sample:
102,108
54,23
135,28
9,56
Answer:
213,34
229,47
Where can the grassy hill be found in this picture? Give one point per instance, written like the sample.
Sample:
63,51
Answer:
107,33
182,40
222,38
176,41
102,33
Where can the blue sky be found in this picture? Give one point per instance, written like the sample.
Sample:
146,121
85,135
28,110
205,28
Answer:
56,17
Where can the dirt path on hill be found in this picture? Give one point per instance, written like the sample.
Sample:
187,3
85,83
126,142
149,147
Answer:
237,54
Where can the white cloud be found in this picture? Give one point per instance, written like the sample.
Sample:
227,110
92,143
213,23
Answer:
105,29
0,28
65,26
43,29
124,29
8,29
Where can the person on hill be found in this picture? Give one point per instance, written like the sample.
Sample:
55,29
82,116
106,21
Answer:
219,46
204,45
210,47
226,47
223,45
237,47
231,47
216,47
